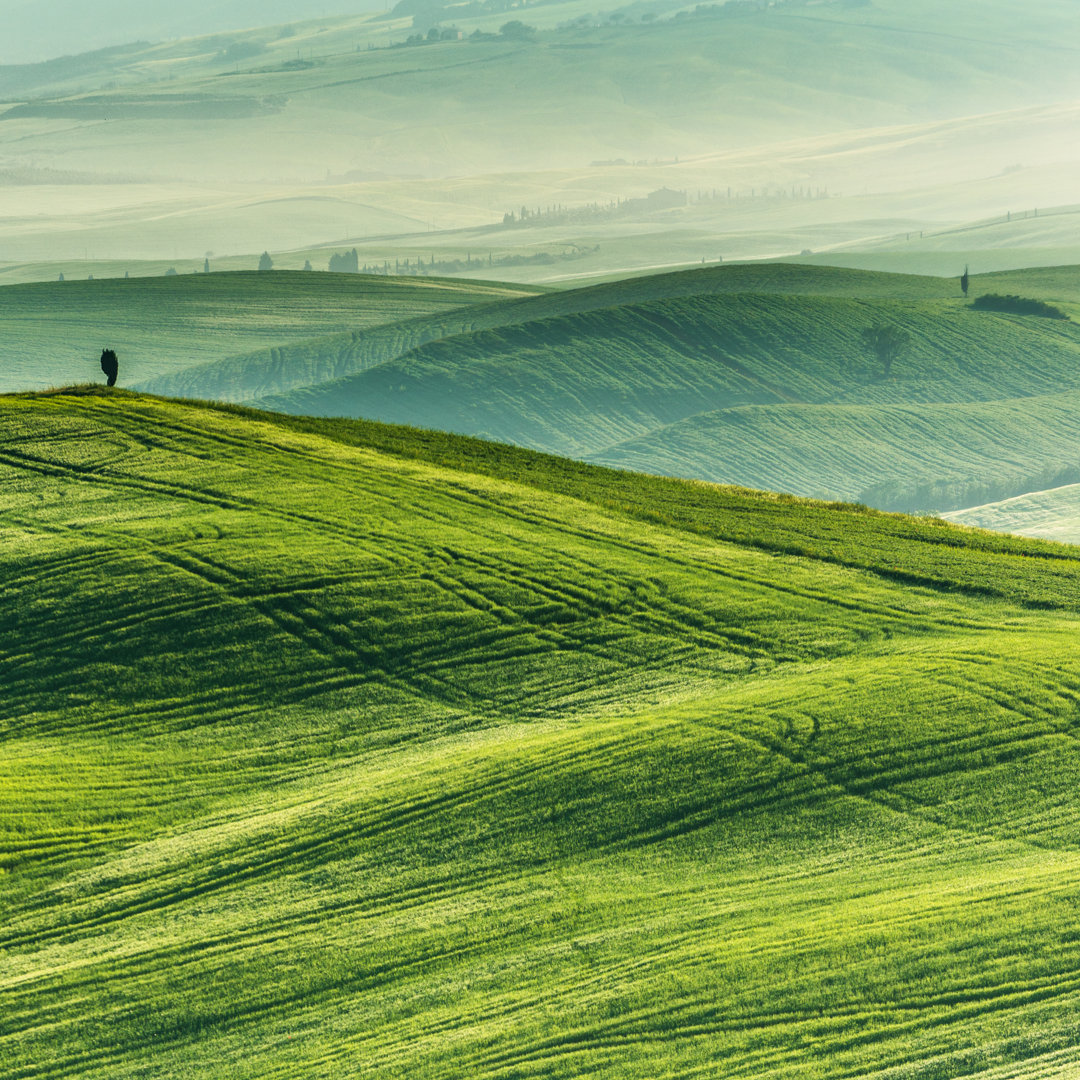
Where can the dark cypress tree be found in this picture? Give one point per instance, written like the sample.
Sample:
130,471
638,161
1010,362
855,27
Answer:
109,366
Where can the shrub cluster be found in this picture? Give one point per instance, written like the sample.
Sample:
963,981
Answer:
1018,305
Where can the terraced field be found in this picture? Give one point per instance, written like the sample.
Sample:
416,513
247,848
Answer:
339,749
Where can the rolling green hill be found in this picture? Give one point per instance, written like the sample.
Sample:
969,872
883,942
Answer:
336,356
895,457
334,749
752,374
52,333
769,390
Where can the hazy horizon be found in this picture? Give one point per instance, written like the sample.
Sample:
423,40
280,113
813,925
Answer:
40,30
870,132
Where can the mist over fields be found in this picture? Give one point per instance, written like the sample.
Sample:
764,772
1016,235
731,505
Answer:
36,30
651,135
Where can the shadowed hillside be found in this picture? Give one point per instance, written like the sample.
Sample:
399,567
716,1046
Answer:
769,389
324,359
51,332
436,758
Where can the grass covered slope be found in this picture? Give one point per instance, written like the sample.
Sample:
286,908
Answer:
895,457
333,749
274,373
53,333
583,384
756,375
1053,514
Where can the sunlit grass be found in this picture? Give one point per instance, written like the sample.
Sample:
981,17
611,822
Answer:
332,748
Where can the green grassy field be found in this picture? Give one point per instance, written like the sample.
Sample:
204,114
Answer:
53,333
754,375
336,749
336,356
579,383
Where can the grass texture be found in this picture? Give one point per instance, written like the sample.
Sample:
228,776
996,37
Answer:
340,749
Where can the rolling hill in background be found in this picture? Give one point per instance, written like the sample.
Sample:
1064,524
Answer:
336,356
752,375
438,758
52,333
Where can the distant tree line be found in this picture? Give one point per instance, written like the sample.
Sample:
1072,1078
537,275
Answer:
664,199
348,262
515,30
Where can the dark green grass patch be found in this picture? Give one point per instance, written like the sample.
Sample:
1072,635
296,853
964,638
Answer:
1018,305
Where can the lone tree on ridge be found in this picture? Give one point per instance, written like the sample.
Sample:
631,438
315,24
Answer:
109,365
965,281
887,342
265,262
